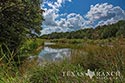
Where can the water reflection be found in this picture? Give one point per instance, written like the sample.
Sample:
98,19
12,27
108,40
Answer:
51,54
48,43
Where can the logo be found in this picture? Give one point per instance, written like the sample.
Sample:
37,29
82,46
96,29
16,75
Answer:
92,74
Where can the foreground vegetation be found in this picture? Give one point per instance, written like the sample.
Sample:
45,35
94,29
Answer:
98,58
90,56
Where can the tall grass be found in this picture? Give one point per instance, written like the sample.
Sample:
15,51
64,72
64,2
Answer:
9,70
106,57
10,67
98,58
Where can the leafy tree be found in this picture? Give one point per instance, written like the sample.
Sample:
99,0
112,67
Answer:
19,19
121,31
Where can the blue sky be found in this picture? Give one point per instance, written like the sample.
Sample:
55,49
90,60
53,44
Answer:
83,6
70,15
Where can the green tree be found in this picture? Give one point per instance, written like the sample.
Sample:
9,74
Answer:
19,19
121,31
100,32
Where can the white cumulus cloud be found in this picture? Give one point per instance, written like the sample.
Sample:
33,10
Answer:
99,14
105,13
71,21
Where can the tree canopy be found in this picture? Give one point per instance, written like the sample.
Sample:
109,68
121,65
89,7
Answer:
19,19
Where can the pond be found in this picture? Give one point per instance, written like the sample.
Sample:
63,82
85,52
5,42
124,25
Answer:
50,54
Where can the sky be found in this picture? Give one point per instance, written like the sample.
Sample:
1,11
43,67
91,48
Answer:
72,15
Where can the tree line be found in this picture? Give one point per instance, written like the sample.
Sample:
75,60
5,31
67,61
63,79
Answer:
100,32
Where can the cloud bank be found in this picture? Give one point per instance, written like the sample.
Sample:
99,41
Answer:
98,15
105,14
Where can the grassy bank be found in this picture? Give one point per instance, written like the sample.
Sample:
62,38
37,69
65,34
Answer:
31,46
80,43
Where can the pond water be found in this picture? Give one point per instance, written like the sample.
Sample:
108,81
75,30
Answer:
53,54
